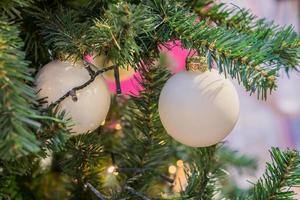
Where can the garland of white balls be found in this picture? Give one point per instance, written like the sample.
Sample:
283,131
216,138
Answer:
198,107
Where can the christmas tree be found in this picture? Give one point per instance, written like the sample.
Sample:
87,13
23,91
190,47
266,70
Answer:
64,137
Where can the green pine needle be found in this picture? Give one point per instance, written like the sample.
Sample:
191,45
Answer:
17,115
280,177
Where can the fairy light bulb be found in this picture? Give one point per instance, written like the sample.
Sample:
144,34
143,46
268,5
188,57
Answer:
118,127
179,163
172,169
111,169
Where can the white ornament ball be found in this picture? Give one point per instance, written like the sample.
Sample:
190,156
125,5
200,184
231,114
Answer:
56,78
198,109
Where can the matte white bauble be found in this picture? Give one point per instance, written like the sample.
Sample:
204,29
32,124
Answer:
56,78
198,109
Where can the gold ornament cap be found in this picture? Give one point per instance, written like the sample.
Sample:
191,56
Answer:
197,64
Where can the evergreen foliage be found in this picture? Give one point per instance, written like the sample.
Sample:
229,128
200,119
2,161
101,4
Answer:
131,161
280,176
18,117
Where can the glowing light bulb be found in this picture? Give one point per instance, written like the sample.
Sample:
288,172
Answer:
179,163
162,142
172,169
118,127
111,169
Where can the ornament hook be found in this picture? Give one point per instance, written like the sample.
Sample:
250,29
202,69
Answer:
197,64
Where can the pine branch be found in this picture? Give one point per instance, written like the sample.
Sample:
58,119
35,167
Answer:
252,61
205,173
143,154
54,132
240,19
81,160
124,33
18,117
10,8
11,171
280,176
35,48
8,186
62,29
83,153
223,14
127,33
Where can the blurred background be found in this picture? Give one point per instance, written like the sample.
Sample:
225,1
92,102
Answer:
275,122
